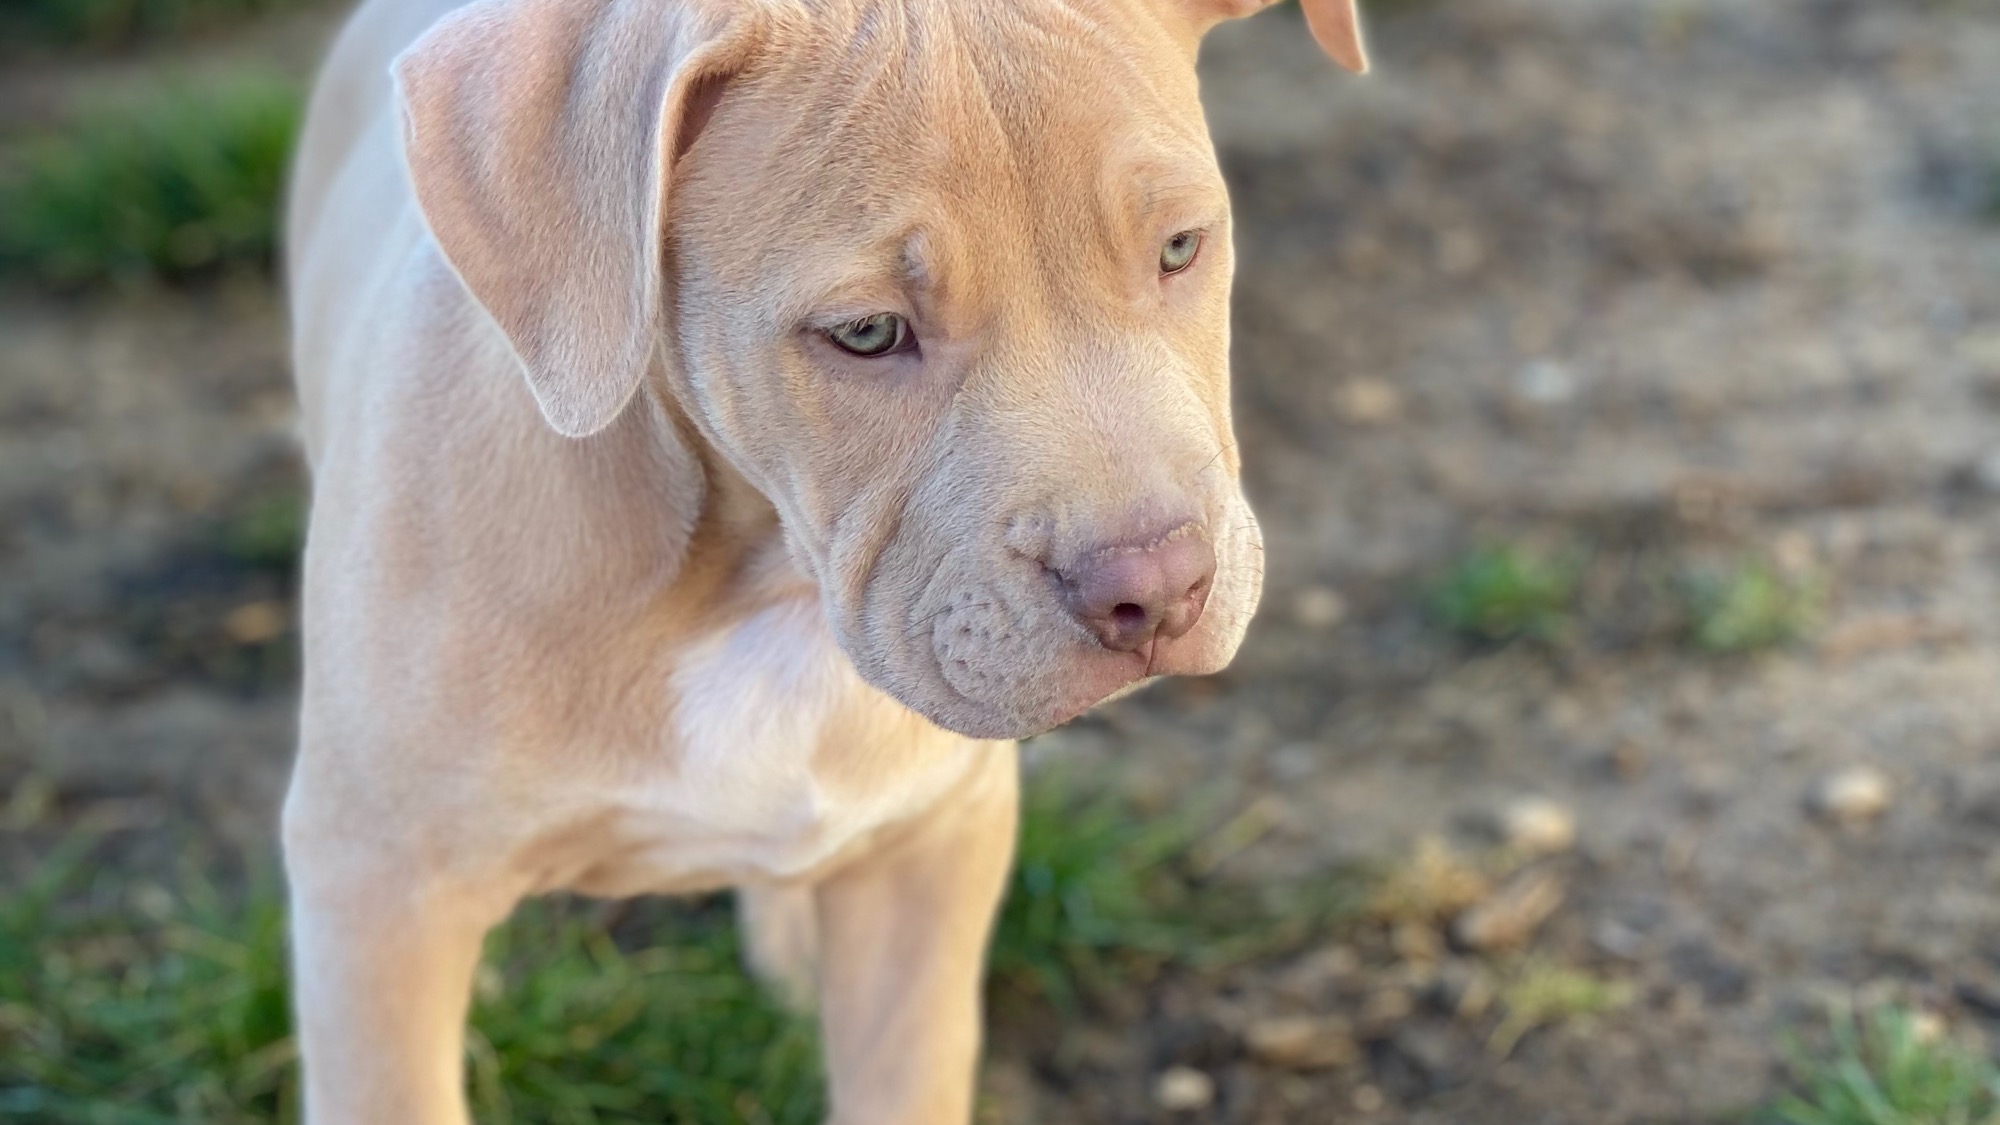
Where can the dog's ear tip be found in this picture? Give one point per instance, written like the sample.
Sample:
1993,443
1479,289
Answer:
578,416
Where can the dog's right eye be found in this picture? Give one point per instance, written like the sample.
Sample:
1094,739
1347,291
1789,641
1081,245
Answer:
872,336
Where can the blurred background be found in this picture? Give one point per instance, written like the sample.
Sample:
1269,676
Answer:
1619,741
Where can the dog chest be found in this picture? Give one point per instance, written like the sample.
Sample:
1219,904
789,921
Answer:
783,756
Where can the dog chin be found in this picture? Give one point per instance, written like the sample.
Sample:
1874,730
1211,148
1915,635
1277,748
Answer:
1093,677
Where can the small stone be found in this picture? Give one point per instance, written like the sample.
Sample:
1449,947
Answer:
1986,472
1317,973
1367,1099
1368,402
1463,990
1302,1042
1982,353
1386,1007
1295,762
1795,553
1617,939
1850,796
1433,884
255,622
1459,252
1545,382
1628,759
1429,1050
1183,1089
1511,915
153,901
1319,607
1536,826
1416,942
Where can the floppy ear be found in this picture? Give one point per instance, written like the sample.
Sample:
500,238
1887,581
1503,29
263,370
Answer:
540,136
1335,24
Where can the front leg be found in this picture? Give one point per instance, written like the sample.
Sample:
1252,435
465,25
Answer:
383,957
903,955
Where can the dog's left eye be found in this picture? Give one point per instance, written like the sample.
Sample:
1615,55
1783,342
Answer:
871,336
1179,252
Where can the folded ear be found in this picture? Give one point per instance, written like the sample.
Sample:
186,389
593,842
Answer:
540,136
1335,24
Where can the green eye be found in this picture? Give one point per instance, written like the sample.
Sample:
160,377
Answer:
1178,254
871,336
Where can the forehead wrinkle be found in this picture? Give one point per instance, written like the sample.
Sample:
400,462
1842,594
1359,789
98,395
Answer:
1098,39
877,269
1013,84
1159,181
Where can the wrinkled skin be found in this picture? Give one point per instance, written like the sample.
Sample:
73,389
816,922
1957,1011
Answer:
1063,394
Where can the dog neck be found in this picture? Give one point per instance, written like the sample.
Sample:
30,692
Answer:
736,560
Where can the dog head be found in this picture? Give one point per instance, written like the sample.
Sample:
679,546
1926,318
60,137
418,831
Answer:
948,283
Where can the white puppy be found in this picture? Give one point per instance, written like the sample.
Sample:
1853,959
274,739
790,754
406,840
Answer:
728,419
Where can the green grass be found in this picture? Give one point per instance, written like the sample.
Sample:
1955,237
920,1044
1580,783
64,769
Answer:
577,1028
1886,1069
127,1001
1105,895
121,1003
111,23
267,534
182,185
1722,607
1750,605
1543,995
1507,592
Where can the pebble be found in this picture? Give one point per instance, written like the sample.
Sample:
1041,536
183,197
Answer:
255,622
1316,974
1182,1089
1302,1042
1319,607
1986,472
1368,402
1617,939
1628,759
1463,990
1850,796
1416,943
1536,826
1545,382
1511,915
1386,1007
1429,1050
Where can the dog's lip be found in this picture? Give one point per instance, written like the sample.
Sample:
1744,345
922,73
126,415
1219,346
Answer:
1096,676
1103,674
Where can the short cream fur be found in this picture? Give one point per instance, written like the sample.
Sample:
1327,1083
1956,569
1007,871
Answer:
621,578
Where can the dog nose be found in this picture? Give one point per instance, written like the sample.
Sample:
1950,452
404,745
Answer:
1127,595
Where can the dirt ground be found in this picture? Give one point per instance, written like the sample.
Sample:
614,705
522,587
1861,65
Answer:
1666,279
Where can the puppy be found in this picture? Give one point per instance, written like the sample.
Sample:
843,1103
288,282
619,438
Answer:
732,422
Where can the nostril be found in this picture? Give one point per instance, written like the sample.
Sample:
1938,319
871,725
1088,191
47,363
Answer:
1126,595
